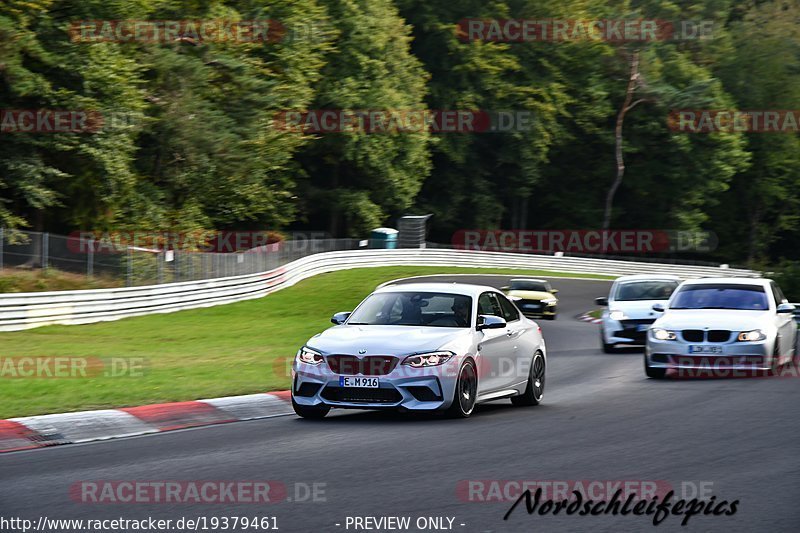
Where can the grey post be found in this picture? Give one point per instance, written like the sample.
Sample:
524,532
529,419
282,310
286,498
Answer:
90,260
45,249
130,268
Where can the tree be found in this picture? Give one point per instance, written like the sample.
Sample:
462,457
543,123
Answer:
357,180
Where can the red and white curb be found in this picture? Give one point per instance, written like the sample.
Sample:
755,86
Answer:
590,319
85,426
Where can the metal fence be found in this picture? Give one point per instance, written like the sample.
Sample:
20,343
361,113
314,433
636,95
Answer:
20,311
137,266
142,265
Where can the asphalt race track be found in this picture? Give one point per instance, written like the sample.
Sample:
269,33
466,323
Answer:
602,419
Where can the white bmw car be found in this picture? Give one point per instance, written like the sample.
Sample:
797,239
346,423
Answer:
722,324
422,347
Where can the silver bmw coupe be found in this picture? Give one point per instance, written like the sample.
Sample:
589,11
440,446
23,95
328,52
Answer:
422,347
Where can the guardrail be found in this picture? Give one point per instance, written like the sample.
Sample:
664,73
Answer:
29,310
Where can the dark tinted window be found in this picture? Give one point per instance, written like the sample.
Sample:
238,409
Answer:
527,285
414,309
488,305
778,293
645,290
510,312
721,296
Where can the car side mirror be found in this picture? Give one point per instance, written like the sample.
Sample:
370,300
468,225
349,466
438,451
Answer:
786,308
506,288
490,322
339,318
601,301
658,307
553,291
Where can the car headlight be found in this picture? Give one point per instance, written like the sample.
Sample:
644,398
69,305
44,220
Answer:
617,315
427,359
663,334
749,336
550,301
309,356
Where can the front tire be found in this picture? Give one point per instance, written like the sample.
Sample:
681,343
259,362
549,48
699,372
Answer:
314,412
534,391
654,373
466,392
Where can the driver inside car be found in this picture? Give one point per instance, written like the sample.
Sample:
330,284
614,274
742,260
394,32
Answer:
461,311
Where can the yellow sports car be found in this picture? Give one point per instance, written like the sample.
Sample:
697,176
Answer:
534,297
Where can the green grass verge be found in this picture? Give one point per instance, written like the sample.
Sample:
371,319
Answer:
596,313
225,350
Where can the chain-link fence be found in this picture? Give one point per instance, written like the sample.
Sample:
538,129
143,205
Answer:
139,265
145,259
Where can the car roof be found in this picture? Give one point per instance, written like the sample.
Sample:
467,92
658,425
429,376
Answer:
648,277
447,288
730,281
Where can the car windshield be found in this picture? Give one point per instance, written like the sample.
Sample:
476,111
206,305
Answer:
721,296
645,290
430,309
526,285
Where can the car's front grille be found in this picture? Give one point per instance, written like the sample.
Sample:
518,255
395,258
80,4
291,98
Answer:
424,394
714,335
693,335
530,306
630,329
633,322
361,395
372,365
659,358
632,334
719,335
307,390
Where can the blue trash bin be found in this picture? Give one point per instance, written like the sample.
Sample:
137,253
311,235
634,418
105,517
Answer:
383,238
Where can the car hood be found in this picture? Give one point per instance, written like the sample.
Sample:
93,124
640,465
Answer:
531,295
636,309
714,319
384,340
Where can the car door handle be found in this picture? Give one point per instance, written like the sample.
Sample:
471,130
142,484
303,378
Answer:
511,334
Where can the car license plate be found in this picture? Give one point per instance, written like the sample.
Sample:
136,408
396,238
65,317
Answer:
705,349
367,383
531,306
